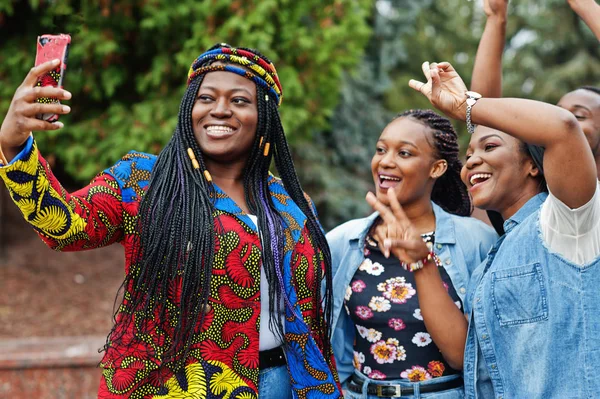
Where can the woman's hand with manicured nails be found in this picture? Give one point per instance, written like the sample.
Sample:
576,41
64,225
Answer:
20,120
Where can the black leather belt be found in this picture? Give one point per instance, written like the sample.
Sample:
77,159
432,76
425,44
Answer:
395,391
271,358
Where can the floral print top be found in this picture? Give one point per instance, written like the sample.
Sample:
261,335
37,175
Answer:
392,341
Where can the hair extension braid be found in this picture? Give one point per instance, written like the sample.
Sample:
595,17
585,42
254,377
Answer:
285,167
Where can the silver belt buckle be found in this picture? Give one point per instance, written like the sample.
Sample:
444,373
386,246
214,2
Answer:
397,391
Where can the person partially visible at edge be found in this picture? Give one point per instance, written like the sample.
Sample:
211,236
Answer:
589,12
224,261
536,294
583,102
392,329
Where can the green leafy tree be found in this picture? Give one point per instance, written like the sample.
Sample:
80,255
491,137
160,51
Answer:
129,60
338,165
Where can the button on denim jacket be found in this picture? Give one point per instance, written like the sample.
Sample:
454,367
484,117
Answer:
534,329
460,242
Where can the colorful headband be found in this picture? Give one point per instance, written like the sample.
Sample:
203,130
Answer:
256,68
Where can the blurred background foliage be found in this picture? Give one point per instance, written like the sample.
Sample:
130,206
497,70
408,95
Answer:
344,66
129,60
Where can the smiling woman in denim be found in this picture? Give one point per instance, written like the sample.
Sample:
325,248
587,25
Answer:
391,333
533,305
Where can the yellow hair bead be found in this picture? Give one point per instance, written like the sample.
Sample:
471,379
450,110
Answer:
191,154
195,164
267,146
261,140
207,176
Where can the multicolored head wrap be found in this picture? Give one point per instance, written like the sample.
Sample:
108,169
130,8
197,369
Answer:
256,67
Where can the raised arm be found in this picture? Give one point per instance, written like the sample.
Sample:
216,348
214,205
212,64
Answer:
589,11
569,166
89,218
487,71
20,119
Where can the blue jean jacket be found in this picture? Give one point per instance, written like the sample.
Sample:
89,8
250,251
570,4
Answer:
460,242
534,329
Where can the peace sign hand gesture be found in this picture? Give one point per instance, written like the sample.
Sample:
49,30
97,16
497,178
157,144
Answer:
444,89
402,239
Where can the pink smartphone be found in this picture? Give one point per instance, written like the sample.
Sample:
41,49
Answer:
51,47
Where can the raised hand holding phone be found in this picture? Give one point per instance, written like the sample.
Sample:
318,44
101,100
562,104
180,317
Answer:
20,120
51,47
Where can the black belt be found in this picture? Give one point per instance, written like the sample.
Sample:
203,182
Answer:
271,358
395,391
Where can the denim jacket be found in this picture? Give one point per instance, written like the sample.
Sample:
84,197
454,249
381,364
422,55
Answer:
534,319
460,242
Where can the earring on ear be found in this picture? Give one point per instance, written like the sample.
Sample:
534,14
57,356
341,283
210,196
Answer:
436,175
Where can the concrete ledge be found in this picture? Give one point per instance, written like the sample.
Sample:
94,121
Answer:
50,352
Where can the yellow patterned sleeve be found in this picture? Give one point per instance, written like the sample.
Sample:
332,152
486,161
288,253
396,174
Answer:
89,218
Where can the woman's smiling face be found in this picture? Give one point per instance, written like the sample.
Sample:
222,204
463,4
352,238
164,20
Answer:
225,116
498,172
404,160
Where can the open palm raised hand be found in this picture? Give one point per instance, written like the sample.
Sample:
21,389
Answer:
444,89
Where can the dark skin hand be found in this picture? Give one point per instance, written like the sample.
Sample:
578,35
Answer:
20,119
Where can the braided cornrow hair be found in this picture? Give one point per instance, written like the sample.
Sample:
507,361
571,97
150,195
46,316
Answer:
449,192
177,235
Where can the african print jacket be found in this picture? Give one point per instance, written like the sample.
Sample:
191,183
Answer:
223,362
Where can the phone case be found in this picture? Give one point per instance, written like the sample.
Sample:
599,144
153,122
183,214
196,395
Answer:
51,47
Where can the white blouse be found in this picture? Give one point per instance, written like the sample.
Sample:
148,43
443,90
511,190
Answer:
572,233
267,339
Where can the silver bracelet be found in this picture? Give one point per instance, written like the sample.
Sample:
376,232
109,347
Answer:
472,97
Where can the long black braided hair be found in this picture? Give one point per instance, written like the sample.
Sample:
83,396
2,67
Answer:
449,192
177,231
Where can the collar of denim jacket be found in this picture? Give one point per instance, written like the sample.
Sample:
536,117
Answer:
444,226
530,206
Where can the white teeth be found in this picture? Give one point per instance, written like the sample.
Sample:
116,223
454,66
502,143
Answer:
219,129
382,177
479,176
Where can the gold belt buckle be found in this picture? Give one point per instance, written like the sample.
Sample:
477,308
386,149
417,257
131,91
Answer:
397,391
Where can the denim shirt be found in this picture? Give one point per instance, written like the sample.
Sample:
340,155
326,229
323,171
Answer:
534,319
460,242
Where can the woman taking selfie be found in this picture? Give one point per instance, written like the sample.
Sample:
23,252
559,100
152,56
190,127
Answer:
223,260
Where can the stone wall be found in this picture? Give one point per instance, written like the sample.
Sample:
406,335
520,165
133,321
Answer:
53,368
